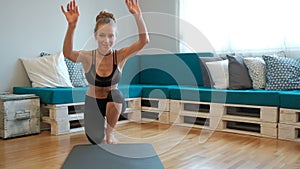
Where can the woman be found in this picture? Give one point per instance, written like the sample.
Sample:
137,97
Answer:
103,67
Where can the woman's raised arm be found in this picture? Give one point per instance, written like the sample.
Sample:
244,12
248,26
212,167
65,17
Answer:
71,14
135,10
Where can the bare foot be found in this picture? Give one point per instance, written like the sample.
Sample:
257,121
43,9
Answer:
110,139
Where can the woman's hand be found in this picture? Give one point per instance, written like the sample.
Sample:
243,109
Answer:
72,13
133,6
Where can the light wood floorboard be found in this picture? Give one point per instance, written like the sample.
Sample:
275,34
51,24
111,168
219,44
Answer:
178,148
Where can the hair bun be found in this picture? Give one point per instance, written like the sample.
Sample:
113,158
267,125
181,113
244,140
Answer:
104,14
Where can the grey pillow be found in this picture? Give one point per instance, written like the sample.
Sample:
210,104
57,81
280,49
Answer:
238,73
207,82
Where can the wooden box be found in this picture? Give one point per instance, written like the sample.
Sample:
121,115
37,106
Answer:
289,132
19,115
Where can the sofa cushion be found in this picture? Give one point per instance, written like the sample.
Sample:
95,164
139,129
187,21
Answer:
131,71
131,91
72,95
167,69
290,99
54,95
246,97
157,91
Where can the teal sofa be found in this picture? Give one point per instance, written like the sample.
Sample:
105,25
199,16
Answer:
142,74
178,77
170,76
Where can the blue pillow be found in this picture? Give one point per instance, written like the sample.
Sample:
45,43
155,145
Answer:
282,73
76,73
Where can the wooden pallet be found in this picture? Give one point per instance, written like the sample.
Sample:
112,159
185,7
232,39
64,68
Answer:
61,117
155,116
242,119
289,132
255,113
153,104
179,109
69,118
133,109
249,127
289,116
153,109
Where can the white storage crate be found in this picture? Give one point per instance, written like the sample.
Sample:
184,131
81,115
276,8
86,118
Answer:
19,115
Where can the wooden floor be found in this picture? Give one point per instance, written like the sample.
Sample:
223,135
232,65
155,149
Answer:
178,148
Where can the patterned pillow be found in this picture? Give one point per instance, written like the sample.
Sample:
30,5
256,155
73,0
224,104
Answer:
282,73
76,73
257,71
75,70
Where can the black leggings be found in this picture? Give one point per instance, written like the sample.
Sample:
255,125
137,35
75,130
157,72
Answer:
95,111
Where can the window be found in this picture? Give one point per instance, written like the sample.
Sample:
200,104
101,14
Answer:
243,26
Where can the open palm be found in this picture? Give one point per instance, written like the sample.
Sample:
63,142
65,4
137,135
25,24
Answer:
133,6
72,12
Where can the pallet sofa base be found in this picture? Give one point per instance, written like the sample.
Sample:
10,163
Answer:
63,118
69,118
241,119
238,118
289,124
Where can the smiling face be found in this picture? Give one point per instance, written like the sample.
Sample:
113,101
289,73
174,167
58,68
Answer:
105,36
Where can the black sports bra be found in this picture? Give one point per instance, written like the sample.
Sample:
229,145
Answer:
94,79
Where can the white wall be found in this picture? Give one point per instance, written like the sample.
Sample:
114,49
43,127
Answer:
31,26
162,22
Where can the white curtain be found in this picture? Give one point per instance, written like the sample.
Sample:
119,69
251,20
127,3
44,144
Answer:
243,26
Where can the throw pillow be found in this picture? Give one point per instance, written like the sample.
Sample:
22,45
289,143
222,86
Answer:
75,70
204,70
282,73
257,71
47,71
218,71
238,73
76,73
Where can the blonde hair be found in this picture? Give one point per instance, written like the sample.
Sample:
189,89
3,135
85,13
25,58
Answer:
104,18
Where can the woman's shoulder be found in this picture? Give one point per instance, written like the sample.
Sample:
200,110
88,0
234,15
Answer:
121,52
85,56
85,52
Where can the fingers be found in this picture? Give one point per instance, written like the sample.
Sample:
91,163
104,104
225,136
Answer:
128,3
135,2
77,10
132,2
62,9
71,6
